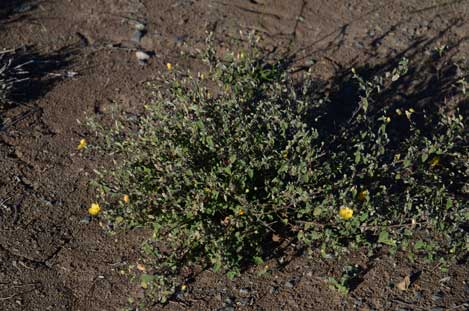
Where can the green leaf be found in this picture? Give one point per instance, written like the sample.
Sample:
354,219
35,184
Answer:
449,203
147,278
419,244
357,157
317,211
231,274
209,141
384,238
258,260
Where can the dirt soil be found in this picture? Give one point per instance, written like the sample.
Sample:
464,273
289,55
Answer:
53,258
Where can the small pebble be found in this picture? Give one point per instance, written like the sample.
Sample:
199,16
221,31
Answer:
86,219
228,301
437,296
445,279
244,302
139,26
418,295
244,291
292,282
142,56
136,36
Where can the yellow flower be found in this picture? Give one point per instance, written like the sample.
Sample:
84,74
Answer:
126,198
408,114
169,66
94,209
82,144
362,195
241,212
434,161
345,213
399,112
388,119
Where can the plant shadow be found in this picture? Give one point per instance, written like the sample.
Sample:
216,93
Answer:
32,74
15,10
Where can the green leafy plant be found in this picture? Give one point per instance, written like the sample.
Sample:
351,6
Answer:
223,164
344,283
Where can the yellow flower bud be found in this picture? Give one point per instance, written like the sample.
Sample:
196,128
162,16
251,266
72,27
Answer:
345,213
362,195
82,144
434,161
94,209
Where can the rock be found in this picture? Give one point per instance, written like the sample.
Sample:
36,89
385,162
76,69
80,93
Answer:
86,220
358,45
142,56
137,36
102,107
244,291
445,279
418,295
228,301
139,26
244,302
292,282
438,296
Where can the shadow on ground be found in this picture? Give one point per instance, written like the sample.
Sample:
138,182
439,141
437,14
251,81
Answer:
15,10
31,74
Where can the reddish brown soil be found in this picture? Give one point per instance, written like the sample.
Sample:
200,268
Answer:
51,259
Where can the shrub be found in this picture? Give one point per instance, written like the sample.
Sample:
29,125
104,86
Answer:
225,166
13,77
